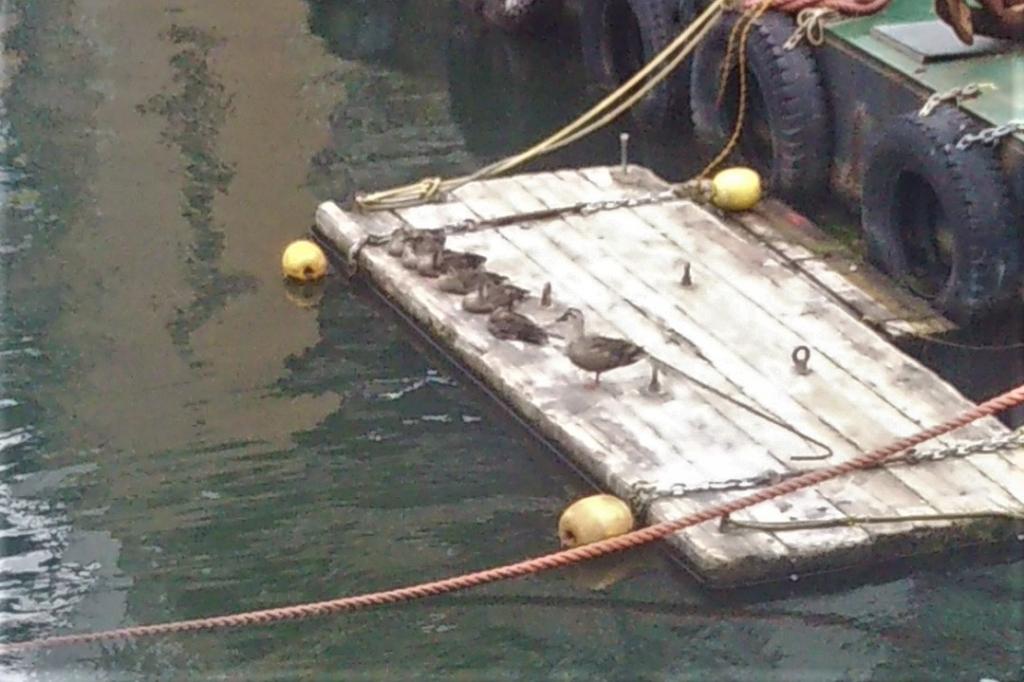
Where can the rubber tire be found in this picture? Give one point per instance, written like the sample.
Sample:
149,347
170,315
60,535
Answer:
789,103
536,16
973,203
657,22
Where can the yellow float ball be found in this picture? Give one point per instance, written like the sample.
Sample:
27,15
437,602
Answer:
592,519
304,261
736,189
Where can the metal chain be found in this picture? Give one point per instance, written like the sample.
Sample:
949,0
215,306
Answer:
580,208
1009,441
990,136
630,202
953,95
642,493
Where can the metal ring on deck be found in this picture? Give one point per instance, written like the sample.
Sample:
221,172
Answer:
801,355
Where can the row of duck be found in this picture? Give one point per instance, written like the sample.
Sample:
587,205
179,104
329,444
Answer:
485,292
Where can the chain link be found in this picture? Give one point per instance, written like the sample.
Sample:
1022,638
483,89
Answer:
953,95
630,202
642,493
990,136
1009,441
581,208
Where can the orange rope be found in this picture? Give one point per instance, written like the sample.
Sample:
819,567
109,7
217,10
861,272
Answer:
529,566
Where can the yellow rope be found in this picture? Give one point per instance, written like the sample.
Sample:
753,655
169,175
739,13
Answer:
747,21
730,53
605,111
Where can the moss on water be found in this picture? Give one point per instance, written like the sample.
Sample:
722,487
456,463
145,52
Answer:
194,115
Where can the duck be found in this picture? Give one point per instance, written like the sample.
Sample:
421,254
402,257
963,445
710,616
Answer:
421,246
598,354
504,323
464,281
396,242
400,235
488,297
444,260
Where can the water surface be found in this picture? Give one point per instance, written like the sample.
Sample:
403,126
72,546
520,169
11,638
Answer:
183,436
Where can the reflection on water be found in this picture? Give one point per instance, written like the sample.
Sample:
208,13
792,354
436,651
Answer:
495,83
185,436
194,114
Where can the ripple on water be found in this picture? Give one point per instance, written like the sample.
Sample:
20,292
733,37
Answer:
38,588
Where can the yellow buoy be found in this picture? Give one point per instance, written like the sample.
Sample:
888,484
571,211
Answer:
594,518
736,189
304,261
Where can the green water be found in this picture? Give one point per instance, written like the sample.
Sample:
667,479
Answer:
182,438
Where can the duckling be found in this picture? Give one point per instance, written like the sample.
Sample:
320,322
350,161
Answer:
594,353
464,281
506,324
421,246
396,243
443,260
489,296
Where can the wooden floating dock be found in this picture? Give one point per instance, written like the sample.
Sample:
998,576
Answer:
755,297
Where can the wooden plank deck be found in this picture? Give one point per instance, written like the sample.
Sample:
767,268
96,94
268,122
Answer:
750,305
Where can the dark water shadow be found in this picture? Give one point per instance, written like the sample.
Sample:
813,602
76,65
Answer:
982,361
510,92
364,30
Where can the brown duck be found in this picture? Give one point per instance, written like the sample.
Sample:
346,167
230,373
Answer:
443,260
488,297
400,235
507,324
396,243
421,247
464,281
594,353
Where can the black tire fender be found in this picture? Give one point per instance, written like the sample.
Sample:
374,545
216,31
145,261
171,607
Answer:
618,37
923,197
787,133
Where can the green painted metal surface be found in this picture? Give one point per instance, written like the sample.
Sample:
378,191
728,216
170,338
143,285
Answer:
1005,70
